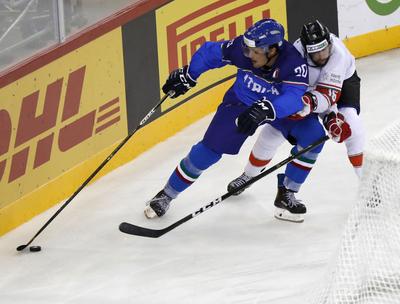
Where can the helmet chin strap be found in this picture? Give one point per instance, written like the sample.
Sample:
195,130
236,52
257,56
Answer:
319,65
316,64
269,59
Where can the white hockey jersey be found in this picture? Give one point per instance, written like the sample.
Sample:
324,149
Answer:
326,82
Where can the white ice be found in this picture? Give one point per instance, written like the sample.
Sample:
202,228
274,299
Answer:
236,252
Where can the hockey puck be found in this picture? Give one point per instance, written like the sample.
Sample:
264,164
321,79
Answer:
35,248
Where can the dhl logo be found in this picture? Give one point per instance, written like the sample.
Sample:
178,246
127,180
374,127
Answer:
185,35
38,135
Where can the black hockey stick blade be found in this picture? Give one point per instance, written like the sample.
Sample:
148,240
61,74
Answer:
155,233
132,229
21,247
141,231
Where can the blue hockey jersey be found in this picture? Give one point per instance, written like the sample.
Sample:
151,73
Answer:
283,84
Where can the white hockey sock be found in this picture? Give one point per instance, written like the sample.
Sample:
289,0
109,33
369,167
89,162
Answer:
255,166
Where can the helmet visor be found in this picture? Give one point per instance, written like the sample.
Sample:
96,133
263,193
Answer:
256,50
249,45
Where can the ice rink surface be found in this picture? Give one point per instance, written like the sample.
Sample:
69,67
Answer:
236,252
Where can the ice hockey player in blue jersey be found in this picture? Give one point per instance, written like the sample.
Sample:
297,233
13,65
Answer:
270,81
333,93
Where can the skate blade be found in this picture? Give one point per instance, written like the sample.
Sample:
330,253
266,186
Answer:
149,213
286,215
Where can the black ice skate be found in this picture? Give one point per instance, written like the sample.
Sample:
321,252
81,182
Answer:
237,182
158,205
288,208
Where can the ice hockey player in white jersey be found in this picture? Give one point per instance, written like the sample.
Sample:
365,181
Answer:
334,93
334,86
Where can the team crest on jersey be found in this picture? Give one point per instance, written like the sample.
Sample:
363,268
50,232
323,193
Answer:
329,77
259,85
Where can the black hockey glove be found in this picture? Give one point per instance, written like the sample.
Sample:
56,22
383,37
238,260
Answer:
178,82
250,119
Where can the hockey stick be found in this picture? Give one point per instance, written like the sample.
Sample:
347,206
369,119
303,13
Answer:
155,233
142,122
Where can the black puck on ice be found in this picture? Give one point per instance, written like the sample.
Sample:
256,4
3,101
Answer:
35,248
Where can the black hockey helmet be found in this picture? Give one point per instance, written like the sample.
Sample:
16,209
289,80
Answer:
314,36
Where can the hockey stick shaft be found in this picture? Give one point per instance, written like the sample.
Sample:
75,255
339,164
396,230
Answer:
155,233
109,157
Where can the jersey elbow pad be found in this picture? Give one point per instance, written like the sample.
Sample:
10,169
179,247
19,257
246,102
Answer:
330,95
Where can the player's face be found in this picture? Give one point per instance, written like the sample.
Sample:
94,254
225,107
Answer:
257,56
321,58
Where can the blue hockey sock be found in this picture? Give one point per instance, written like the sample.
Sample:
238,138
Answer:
190,168
298,170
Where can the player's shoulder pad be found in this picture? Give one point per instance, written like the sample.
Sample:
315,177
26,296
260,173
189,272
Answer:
299,47
292,54
293,61
338,45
